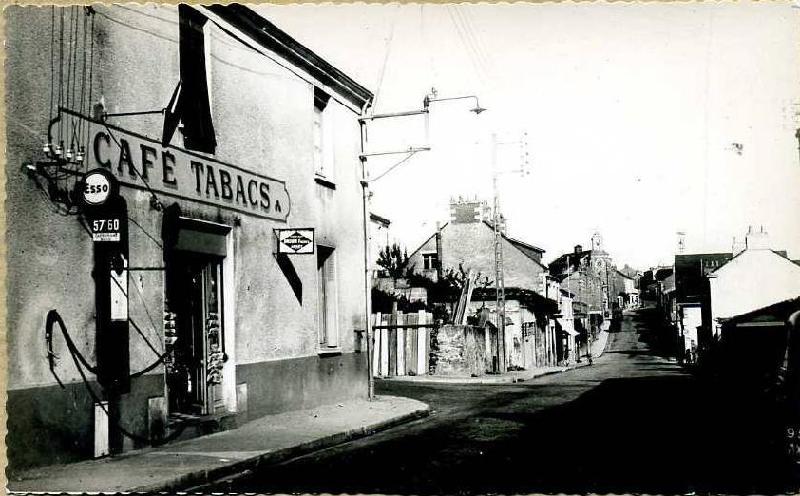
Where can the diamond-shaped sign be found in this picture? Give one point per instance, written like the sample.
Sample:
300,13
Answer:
296,241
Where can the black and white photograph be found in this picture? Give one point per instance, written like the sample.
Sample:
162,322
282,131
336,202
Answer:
402,248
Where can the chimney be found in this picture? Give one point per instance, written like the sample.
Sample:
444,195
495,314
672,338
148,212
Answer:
757,240
578,248
466,211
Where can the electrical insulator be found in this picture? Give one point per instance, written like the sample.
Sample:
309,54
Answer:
69,153
59,150
79,156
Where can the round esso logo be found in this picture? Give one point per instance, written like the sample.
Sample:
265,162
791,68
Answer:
96,188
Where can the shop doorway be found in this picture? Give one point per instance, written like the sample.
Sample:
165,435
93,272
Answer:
194,299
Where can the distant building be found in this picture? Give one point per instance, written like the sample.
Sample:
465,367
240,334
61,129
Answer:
582,272
467,242
626,292
692,294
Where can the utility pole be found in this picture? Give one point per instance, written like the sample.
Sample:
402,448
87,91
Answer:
500,292
363,156
499,282
367,268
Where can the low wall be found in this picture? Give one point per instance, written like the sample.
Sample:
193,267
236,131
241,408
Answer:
461,351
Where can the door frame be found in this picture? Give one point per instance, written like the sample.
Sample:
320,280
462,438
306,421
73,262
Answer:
226,253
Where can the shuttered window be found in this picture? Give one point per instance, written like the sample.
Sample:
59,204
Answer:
319,166
193,106
327,298
323,136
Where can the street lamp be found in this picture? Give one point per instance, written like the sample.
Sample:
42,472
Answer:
433,97
362,121
425,110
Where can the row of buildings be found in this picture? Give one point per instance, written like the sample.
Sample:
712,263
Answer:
187,233
727,306
553,310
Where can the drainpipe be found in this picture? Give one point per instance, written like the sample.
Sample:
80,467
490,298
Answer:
367,275
439,253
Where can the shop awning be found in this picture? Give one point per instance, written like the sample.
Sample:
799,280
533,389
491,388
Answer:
564,329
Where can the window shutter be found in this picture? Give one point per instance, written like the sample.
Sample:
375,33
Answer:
331,303
193,105
321,303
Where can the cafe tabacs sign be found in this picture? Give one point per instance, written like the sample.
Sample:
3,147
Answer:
140,162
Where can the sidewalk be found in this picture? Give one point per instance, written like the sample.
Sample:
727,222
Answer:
507,378
266,440
599,344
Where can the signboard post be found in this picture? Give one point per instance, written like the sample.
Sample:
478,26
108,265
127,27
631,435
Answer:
106,215
299,241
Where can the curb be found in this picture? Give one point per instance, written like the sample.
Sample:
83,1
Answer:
466,381
552,372
206,476
482,382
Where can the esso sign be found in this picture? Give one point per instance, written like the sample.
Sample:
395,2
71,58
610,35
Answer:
97,187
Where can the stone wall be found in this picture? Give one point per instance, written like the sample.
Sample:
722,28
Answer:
461,351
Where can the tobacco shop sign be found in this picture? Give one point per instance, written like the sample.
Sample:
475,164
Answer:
140,162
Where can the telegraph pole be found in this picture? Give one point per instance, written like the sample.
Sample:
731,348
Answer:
499,282
500,292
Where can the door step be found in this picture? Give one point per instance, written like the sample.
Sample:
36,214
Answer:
185,426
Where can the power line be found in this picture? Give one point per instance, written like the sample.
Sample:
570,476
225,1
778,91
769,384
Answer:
472,38
385,58
467,46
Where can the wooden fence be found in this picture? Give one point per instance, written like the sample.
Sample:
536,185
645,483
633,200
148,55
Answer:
401,343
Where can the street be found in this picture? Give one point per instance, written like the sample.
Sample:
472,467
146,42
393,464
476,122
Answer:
634,422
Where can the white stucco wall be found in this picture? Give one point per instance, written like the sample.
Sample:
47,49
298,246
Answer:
752,280
692,319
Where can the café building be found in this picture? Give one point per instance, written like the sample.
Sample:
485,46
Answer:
229,282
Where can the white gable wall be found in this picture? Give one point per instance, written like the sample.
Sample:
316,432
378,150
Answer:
752,280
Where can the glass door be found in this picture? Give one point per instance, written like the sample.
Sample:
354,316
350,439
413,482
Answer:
194,372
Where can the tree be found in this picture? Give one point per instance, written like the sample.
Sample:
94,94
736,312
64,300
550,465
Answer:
394,260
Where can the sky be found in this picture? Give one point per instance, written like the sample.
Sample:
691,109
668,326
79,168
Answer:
629,113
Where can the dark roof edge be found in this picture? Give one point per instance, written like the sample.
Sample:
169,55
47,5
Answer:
526,245
379,219
694,255
270,36
790,302
427,240
514,240
563,256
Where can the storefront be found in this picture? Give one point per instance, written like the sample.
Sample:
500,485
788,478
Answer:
219,130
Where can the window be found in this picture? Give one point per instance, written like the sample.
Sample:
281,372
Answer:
322,136
430,261
327,307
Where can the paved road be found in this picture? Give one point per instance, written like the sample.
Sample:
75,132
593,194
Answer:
633,422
